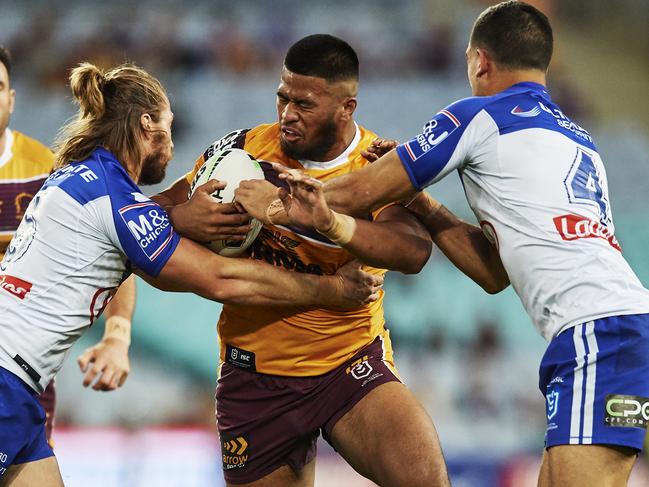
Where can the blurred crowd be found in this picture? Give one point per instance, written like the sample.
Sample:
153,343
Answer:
231,38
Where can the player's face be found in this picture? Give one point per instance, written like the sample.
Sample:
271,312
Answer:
160,152
7,96
310,112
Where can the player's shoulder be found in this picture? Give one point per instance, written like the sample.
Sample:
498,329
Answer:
30,149
100,174
245,138
264,130
465,110
263,135
367,136
232,140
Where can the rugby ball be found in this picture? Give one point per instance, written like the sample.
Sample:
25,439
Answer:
231,166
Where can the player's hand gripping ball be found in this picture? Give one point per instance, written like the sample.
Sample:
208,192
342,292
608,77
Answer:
231,166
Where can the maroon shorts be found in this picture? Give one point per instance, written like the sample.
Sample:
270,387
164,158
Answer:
48,401
266,421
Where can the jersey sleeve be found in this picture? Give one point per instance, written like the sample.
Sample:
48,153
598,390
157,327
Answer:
441,146
233,140
144,232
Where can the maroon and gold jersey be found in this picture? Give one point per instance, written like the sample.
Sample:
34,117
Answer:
24,165
293,341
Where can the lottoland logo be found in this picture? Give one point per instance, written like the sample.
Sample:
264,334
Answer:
628,411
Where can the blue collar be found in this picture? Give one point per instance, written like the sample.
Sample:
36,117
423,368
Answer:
528,86
103,152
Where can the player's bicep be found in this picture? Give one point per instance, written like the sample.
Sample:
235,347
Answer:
406,231
404,222
388,174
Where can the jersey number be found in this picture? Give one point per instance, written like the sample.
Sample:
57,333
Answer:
585,185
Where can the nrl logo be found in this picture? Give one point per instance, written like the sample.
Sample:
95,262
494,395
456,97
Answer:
553,404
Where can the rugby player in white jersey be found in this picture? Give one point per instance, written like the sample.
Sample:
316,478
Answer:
537,185
88,229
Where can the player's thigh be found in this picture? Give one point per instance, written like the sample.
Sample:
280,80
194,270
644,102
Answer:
389,437
39,473
285,476
587,466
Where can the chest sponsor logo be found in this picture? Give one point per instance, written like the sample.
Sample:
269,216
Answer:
14,285
434,133
14,200
235,451
627,411
575,227
149,225
265,248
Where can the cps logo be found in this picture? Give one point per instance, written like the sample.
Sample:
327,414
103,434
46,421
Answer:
628,411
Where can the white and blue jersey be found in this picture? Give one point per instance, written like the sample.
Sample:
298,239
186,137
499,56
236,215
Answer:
538,187
81,236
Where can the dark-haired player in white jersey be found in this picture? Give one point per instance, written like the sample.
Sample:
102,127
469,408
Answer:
537,185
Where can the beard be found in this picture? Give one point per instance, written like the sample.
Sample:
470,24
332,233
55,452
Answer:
154,166
323,139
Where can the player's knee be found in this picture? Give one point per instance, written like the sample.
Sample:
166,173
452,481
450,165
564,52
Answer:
424,468
424,474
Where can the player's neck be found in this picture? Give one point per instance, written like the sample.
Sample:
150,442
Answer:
342,143
133,170
505,79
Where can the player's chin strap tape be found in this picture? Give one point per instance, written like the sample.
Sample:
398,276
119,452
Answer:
341,230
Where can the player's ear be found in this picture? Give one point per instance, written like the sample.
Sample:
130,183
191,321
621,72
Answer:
349,106
12,100
146,122
485,63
